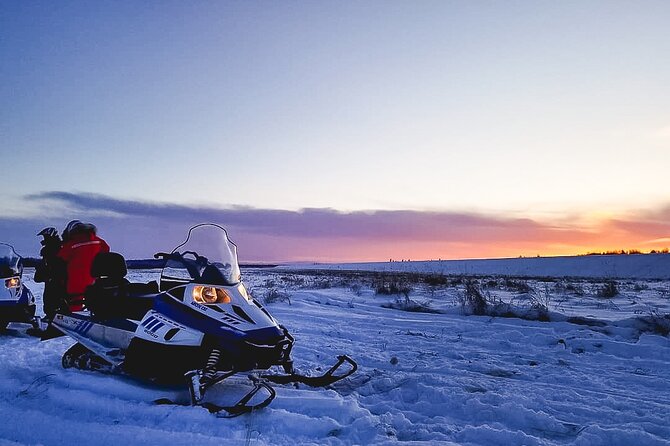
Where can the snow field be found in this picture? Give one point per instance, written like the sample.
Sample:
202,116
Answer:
423,378
637,266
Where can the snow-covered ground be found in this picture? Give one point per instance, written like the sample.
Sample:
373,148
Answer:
647,266
423,378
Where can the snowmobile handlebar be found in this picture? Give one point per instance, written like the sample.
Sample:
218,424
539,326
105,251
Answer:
195,266
180,256
167,255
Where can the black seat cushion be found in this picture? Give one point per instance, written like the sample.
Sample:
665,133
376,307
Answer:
110,265
112,295
141,289
103,297
117,302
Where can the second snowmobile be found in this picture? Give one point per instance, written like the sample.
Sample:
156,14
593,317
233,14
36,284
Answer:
17,303
198,323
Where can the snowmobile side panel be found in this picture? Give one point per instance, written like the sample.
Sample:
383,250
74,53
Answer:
156,327
106,340
16,304
189,316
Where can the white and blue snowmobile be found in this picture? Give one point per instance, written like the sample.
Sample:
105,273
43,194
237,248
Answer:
17,303
198,324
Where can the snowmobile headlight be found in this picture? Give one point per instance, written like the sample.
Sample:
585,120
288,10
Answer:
210,295
12,282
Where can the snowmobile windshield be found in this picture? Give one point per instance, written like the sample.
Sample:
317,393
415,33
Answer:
207,256
10,262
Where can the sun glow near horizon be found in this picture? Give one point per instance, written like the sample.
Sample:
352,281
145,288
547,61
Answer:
599,236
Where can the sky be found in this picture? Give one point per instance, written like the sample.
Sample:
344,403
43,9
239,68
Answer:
337,131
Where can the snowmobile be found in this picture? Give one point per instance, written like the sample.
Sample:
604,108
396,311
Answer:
17,303
198,324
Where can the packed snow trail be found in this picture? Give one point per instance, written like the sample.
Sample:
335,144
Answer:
422,379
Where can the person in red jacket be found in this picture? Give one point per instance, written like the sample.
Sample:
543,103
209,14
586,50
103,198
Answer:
80,246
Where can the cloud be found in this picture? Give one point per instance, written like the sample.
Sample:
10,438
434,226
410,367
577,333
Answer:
139,228
320,223
653,225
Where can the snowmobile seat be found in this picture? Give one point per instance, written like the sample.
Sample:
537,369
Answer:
110,266
112,295
138,289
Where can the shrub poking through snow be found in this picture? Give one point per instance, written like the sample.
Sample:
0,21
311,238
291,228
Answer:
491,283
293,280
274,295
640,287
407,304
575,288
436,280
402,300
520,286
608,290
656,323
392,287
472,300
539,303
533,306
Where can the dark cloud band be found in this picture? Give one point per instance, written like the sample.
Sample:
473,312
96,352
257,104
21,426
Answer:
140,228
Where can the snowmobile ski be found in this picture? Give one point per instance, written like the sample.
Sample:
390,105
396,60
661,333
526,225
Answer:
240,408
324,380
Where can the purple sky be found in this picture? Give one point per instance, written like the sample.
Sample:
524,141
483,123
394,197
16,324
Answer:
341,130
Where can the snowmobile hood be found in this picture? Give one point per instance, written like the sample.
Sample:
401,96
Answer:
236,316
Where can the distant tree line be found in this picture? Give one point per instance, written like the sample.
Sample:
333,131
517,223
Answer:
627,252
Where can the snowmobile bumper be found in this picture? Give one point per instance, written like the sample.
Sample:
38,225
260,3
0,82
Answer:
260,356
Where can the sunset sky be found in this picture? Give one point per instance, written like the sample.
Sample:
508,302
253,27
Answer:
334,131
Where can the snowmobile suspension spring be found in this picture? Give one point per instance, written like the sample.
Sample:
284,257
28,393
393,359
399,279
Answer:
210,368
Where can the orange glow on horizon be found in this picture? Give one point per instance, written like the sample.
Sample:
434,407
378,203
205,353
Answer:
602,237
413,253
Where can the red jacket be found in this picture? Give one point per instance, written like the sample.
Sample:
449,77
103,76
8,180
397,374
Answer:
78,253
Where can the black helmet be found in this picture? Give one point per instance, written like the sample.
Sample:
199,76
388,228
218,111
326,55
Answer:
76,226
68,229
48,232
